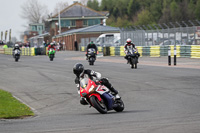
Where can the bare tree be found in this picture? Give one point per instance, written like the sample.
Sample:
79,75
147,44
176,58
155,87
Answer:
84,2
33,11
60,6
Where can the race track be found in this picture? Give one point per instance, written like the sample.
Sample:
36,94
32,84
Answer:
158,98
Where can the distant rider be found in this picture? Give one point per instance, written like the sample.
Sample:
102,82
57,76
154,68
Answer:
52,45
16,46
81,73
90,45
127,47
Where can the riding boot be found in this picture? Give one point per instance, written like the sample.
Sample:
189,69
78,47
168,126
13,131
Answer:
83,102
108,85
111,88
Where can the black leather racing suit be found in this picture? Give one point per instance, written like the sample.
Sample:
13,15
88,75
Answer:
92,74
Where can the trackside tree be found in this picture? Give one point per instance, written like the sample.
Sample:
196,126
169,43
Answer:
135,12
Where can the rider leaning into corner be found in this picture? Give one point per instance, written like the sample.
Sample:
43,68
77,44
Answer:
129,46
52,45
82,73
90,45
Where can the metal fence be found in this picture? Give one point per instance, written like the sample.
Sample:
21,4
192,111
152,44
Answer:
162,37
86,41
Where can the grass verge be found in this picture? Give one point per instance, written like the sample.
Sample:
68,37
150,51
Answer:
11,108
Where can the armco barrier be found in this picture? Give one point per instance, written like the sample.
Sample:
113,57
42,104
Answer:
27,51
185,51
82,48
106,51
122,51
190,51
164,51
155,51
1,50
8,51
117,50
139,48
100,49
40,51
112,51
146,51
195,51
177,51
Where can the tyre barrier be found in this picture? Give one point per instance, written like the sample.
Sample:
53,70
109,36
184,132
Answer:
27,51
1,50
189,51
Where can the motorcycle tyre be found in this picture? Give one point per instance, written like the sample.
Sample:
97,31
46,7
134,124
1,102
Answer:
16,58
51,57
91,62
136,60
95,103
132,62
119,108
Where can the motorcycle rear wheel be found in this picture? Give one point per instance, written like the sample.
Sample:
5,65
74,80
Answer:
98,105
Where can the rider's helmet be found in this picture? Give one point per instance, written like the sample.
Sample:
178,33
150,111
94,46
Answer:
128,40
52,44
78,69
91,42
16,45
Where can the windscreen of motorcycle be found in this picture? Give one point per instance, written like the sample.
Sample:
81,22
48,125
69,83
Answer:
91,50
17,51
84,82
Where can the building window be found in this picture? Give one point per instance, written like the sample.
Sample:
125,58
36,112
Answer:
85,22
65,23
93,22
73,23
34,28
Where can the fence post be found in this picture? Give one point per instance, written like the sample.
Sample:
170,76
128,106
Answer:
169,56
174,55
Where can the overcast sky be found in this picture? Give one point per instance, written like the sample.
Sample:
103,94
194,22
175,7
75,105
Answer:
10,11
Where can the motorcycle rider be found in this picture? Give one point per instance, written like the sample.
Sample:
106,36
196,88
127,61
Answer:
51,46
129,46
81,73
90,45
16,46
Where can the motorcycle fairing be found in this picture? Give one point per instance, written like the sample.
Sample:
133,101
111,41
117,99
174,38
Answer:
109,99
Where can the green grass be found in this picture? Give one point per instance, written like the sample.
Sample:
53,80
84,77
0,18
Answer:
11,107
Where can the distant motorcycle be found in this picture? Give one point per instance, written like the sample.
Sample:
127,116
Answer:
91,56
16,54
133,58
51,54
99,96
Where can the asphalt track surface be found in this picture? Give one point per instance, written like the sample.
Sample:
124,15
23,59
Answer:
158,98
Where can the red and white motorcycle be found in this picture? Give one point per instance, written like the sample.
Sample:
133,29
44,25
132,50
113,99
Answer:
99,96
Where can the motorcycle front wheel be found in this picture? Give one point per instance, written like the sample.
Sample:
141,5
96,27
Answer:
16,58
98,105
91,61
132,62
51,57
